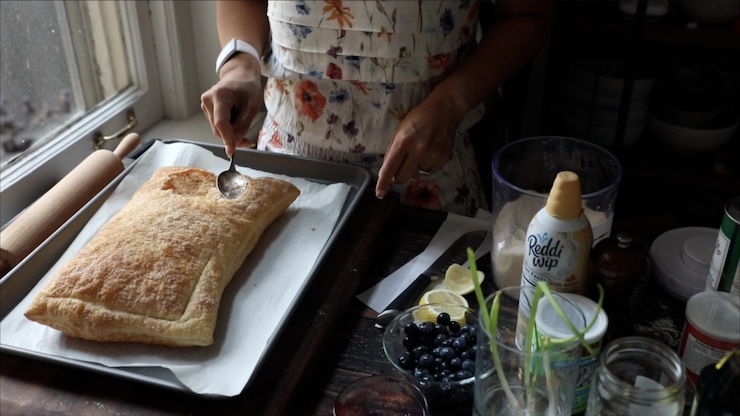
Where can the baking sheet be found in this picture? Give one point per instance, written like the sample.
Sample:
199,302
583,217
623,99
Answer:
257,303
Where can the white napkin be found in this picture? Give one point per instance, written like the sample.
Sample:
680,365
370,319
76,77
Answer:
383,293
254,305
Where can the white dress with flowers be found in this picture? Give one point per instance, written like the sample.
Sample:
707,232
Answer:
342,74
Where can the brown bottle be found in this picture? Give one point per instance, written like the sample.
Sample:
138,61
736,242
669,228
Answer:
621,266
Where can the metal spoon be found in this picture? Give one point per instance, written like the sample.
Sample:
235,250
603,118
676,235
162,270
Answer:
231,183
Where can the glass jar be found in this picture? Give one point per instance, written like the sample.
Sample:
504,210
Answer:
637,376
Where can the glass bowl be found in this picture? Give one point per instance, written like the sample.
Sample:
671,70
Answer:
443,367
380,395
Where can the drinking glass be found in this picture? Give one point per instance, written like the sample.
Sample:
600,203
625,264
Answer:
523,173
521,376
380,395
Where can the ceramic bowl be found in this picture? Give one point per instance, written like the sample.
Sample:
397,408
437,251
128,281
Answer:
684,138
711,11
603,127
680,258
606,80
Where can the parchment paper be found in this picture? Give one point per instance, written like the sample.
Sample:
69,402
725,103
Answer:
254,304
383,293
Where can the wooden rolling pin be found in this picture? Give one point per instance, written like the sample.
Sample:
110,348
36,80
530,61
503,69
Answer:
59,203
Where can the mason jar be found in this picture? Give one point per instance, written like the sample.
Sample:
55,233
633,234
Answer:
637,376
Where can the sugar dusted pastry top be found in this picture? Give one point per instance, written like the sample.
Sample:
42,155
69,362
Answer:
155,273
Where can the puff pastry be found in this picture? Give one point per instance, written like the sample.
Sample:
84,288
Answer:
156,271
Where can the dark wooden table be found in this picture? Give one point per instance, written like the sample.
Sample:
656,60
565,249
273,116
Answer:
330,341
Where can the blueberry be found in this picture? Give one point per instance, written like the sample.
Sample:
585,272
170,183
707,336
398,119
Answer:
463,374
444,373
427,340
469,353
468,365
454,326
447,352
411,329
448,380
446,386
420,372
406,361
426,328
440,329
409,342
455,363
426,361
439,339
459,343
443,318
419,350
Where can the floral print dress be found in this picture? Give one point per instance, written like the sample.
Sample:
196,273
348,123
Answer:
342,74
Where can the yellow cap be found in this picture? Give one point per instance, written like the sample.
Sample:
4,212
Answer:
564,201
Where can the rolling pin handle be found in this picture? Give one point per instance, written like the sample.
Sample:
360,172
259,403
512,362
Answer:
5,267
62,201
128,144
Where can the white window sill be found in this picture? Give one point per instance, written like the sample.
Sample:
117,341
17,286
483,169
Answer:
196,128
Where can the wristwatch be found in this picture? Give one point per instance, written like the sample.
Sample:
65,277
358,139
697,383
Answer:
233,47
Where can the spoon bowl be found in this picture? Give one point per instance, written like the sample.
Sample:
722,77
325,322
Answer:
231,183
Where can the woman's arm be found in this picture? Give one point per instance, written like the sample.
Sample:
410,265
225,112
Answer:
423,140
245,20
518,31
235,100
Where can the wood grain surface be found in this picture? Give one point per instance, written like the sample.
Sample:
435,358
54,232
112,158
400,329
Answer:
330,341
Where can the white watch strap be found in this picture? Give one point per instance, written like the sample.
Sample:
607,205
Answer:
231,48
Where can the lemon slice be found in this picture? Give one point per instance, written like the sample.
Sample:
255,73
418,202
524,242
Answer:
458,279
442,300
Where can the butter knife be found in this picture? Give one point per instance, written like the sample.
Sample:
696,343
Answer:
456,253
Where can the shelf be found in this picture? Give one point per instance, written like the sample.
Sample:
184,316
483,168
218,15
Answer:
604,21
654,164
667,187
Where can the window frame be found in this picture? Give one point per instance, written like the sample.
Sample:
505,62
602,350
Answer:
153,55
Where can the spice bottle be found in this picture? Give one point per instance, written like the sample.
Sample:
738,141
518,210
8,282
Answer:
559,238
621,265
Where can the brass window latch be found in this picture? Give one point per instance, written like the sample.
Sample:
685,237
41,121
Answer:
101,139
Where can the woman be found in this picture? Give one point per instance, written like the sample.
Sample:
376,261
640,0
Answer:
390,85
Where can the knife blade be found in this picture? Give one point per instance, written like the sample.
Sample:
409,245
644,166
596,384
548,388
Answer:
455,253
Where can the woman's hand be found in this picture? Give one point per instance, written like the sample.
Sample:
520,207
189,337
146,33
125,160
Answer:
422,143
232,104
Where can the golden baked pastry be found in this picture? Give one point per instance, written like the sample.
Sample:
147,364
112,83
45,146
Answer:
155,272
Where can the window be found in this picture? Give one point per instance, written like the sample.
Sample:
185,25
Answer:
38,95
69,70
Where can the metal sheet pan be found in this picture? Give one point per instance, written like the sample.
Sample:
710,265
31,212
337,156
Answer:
16,284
